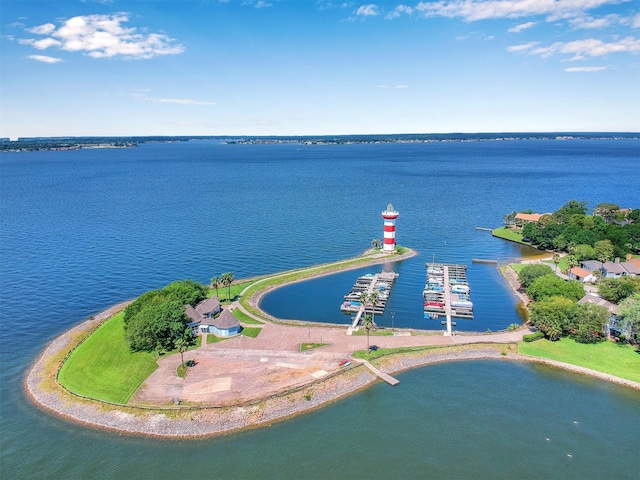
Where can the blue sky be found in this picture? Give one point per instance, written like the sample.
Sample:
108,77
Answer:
269,67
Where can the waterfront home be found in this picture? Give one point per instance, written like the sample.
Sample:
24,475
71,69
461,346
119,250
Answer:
592,266
620,269
582,275
224,325
205,310
611,329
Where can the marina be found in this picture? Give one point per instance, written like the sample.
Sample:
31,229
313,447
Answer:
368,295
447,294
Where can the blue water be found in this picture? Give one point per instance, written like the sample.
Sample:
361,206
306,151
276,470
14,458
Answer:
82,230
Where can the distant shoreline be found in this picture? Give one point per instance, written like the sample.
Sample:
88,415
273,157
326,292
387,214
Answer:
30,144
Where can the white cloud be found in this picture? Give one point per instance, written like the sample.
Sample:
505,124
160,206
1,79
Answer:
584,22
472,10
103,36
522,48
45,58
398,11
580,49
45,29
521,27
370,10
584,69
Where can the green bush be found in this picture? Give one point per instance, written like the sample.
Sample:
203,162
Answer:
532,337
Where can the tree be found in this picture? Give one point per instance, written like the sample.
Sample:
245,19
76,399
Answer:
553,315
551,285
572,260
615,290
373,298
156,319
509,219
556,260
181,345
227,279
607,211
588,323
376,244
215,283
603,250
584,252
530,272
368,325
629,320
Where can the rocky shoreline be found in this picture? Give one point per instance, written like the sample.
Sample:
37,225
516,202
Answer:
198,422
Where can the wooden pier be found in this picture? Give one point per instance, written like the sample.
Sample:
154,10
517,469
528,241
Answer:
384,376
380,283
446,294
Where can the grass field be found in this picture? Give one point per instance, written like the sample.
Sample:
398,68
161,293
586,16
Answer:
244,318
508,234
607,357
102,366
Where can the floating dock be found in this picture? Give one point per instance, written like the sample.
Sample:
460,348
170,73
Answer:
380,283
446,294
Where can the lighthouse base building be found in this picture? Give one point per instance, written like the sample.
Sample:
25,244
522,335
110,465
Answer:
389,216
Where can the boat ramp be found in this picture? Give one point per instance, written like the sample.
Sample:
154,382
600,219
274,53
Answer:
380,284
447,294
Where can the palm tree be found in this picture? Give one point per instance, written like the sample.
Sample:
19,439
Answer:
376,244
373,298
368,325
181,344
227,279
215,283
556,259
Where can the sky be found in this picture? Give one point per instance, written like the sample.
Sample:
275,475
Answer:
317,67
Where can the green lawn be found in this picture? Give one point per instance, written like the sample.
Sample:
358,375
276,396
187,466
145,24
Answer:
102,366
607,357
251,332
508,234
244,318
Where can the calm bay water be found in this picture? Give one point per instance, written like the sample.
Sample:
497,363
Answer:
82,230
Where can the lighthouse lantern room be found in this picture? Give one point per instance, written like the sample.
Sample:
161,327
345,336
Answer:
389,216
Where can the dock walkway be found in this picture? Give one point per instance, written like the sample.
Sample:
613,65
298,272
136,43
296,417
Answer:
384,376
380,283
446,293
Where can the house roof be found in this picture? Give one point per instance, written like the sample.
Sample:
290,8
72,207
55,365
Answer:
632,267
614,267
595,300
529,217
209,305
225,320
191,312
593,264
580,272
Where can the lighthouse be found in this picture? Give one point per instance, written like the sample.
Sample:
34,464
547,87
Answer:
389,216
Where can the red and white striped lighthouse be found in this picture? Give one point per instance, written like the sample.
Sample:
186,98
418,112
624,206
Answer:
389,216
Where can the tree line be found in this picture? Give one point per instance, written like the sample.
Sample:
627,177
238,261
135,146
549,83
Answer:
156,320
557,314
610,232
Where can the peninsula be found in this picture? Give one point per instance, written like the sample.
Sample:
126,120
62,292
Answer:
247,382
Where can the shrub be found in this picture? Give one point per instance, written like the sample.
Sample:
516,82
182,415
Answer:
532,337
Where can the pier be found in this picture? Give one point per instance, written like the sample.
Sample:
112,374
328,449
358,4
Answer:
380,284
447,294
384,376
